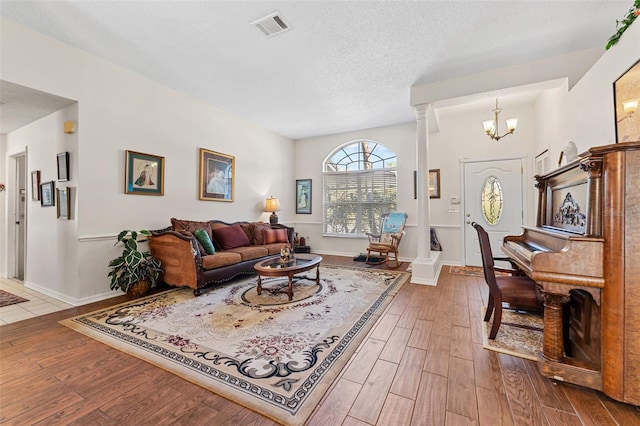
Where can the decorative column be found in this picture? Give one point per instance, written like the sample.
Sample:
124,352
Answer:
424,268
422,154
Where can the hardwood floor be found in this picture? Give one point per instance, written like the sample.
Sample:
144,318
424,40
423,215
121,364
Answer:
422,364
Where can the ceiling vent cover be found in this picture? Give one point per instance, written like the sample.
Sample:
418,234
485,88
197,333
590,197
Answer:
272,25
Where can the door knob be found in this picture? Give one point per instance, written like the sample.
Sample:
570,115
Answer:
468,222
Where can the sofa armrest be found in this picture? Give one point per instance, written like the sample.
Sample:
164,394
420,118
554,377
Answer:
180,257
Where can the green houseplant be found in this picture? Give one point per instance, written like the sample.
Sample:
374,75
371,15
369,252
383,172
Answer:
134,270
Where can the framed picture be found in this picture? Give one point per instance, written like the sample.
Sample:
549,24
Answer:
626,97
63,203
434,183
143,174
216,176
35,185
47,194
303,196
63,166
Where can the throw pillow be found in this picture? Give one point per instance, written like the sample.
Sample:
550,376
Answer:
204,239
230,237
191,226
258,227
271,236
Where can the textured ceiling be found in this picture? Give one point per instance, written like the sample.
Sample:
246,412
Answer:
345,65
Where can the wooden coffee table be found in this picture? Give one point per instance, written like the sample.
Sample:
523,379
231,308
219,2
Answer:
272,267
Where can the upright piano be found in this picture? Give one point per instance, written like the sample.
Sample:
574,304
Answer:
584,254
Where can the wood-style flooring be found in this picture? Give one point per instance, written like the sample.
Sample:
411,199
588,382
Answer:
422,364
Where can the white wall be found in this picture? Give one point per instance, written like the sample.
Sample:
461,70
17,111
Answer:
591,116
52,255
460,137
551,118
117,111
309,156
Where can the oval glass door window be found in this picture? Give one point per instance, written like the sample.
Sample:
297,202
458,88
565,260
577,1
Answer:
492,199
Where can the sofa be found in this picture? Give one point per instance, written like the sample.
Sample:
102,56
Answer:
198,254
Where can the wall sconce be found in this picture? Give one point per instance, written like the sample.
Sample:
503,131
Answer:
69,127
272,205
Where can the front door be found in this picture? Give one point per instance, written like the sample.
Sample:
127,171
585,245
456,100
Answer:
493,197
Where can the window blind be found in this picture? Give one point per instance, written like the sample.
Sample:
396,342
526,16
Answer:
355,200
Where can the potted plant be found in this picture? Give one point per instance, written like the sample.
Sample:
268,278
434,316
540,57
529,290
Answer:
134,270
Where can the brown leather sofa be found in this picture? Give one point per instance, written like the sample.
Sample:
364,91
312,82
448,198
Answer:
238,246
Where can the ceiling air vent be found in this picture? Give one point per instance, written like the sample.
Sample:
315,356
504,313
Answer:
272,24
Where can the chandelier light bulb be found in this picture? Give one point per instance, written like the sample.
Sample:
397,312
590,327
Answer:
630,106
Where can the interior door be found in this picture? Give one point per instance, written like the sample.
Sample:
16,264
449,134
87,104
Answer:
20,216
493,197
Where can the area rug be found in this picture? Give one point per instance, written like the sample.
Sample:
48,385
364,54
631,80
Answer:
268,354
7,299
466,270
372,259
474,271
520,334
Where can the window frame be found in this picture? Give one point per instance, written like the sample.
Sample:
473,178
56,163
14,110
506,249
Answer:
350,174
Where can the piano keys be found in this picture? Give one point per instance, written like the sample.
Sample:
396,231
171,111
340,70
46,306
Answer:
584,253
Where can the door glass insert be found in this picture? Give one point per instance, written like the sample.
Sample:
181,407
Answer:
492,199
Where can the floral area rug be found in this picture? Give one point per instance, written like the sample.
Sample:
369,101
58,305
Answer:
7,299
520,334
473,271
271,355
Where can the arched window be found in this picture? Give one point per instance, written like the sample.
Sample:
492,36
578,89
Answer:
360,183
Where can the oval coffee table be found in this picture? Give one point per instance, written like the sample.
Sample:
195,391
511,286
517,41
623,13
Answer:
273,267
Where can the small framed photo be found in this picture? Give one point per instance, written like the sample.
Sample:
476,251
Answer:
35,185
626,98
434,183
216,176
47,195
63,203
303,196
143,174
63,166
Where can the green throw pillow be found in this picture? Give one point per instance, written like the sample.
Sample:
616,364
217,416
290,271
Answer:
203,237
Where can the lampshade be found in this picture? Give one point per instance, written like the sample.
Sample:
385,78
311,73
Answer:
272,205
512,123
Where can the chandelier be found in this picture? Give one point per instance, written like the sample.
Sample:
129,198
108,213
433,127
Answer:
491,126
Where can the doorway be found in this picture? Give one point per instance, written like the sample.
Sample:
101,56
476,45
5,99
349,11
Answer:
494,198
17,218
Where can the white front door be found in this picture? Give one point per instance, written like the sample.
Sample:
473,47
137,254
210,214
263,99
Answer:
493,197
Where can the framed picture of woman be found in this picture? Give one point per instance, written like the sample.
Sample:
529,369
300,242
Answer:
303,196
216,176
143,174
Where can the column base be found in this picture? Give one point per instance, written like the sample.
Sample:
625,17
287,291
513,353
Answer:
426,271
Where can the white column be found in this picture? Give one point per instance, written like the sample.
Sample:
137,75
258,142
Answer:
425,267
422,165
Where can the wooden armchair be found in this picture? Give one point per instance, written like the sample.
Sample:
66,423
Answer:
387,242
516,290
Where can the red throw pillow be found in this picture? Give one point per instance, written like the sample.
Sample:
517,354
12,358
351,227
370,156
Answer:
271,236
230,237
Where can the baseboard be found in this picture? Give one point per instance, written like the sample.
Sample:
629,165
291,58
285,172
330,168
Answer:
70,300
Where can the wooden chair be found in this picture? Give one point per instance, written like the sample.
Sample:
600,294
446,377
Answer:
516,290
387,242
